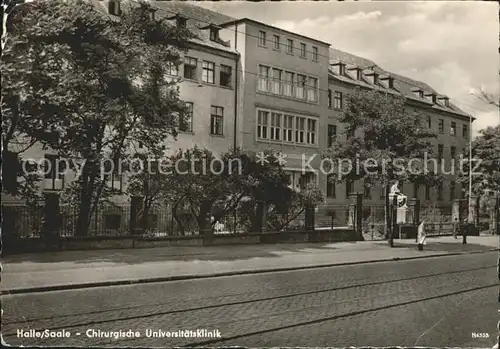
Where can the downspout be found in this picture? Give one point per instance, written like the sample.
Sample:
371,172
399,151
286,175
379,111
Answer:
236,87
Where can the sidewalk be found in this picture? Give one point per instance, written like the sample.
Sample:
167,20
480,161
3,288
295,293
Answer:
78,269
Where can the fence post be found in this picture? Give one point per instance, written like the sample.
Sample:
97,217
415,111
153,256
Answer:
51,218
359,215
309,217
497,215
394,223
416,216
136,206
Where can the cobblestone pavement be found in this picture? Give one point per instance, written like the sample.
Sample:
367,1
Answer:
427,302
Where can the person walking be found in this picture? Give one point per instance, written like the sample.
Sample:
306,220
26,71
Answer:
465,231
421,238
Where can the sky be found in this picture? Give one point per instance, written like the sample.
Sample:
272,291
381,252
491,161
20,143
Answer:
450,45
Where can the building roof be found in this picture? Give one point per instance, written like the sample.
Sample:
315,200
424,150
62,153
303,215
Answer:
197,17
240,20
402,84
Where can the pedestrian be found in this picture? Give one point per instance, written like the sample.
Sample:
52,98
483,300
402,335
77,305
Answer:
421,238
465,231
456,227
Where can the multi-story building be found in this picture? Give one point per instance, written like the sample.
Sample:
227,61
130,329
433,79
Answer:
450,123
255,86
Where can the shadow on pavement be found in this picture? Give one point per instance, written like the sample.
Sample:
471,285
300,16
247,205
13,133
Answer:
161,254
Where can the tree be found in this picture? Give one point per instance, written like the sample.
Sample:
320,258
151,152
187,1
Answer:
486,162
90,86
382,136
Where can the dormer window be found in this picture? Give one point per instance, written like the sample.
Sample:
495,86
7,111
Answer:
214,31
340,66
181,22
342,69
446,101
114,7
432,97
214,34
390,81
419,93
374,77
152,15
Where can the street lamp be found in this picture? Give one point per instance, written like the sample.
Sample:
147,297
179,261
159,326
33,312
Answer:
471,217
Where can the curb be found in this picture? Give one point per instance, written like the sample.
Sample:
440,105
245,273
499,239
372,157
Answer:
216,275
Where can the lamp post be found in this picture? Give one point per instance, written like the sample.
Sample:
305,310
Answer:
470,218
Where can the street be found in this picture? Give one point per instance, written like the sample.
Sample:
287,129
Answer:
444,301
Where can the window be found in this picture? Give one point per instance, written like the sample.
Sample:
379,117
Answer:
311,131
300,129
341,69
263,78
288,89
214,34
427,192
275,129
441,126
276,42
303,50
453,153
51,166
440,153
429,121
359,74
367,191
348,188
217,120
262,124
465,131
289,46
337,100
416,189
171,69
382,192
332,134
114,8
440,191
276,82
262,38
208,74
190,65
330,98
315,53
186,124
288,128
330,186
453,128
300,91
225,75
463,190
312,89
452,190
